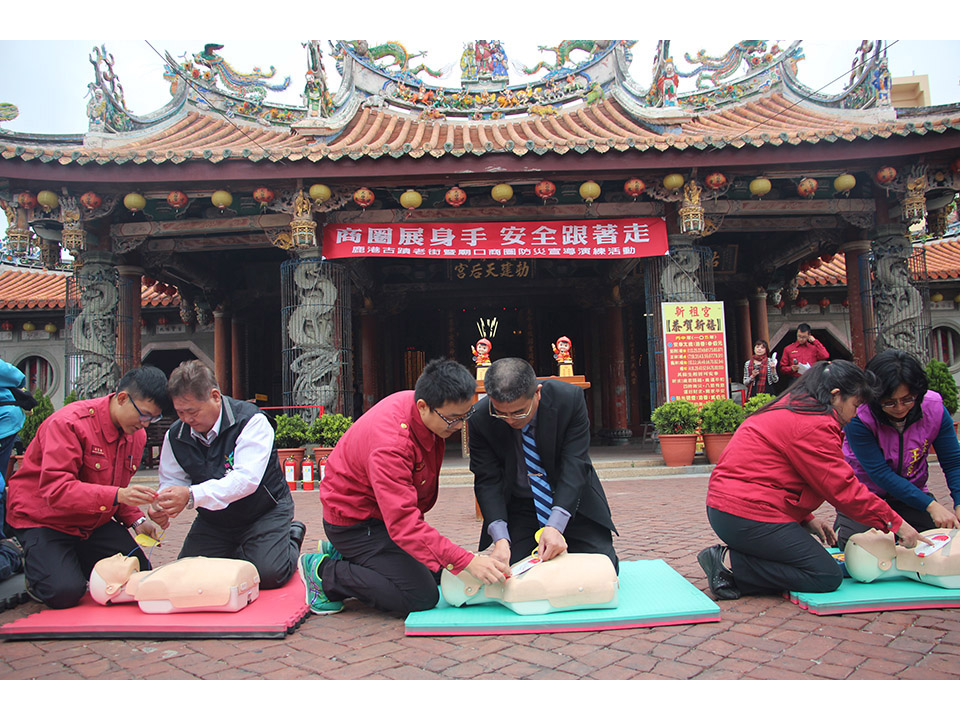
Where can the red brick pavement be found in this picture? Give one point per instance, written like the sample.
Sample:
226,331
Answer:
757,637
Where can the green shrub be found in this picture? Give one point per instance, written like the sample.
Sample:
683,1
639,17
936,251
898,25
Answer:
721,416
328,428
291,431
676,417
757,402
41,412
941,381
72,397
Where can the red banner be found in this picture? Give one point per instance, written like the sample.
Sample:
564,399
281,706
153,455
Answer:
588,239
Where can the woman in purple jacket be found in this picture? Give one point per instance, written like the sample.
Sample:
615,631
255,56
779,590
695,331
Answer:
888,442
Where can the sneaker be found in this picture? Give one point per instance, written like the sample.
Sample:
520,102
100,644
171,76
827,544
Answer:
327,548
309,567
719,578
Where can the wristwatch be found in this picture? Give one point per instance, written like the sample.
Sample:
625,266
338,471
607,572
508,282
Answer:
190,501
138,523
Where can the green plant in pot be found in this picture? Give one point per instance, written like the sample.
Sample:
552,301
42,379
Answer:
676,425
941,381
291,431
326,432
719,419
31,423
757,402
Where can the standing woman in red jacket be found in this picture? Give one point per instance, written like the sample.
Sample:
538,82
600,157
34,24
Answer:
780,466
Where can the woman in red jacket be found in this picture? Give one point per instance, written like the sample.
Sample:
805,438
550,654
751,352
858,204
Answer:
780,466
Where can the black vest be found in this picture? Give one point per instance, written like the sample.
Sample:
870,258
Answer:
203,463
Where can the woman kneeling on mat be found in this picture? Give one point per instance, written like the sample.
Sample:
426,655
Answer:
779,467
887,444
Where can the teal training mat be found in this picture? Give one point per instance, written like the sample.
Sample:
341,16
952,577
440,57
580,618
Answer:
651,593
853,596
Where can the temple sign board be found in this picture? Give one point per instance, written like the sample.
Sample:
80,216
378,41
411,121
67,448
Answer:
695,351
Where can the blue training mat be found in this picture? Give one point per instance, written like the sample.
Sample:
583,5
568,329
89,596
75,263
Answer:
651,593
853,596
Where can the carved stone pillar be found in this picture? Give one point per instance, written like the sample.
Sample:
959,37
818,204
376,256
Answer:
679,278
238,331
369,353
744,333
854,254
221,348
897,304
128,329
615,378
759,325
93,334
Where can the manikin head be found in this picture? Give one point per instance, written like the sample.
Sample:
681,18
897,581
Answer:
868,555
110,576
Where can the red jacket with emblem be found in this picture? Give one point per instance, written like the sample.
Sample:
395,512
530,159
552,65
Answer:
72,471
387,467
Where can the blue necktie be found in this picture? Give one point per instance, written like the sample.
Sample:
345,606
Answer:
542,494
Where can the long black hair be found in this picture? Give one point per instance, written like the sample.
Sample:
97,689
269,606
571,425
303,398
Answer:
894,368
812,392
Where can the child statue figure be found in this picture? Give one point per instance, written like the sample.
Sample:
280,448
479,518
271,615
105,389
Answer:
561,353
481,356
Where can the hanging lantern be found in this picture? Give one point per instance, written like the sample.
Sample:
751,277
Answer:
802,302
221,199
143,321
50,328
824,303
807,188
177,200
715,180
844,183
936,297
781,305
411,199
501,193
162,320
955,166
264,196
319,193
90,200
673,181
303,228
760,186
915,203
48,200
634,187
455,197
691,211
827,257
29,327
364,197
134,202
589,191
545,189
886,175
6,326
845,302
27,200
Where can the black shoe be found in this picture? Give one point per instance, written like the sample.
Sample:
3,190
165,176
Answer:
15,551
721,581
297,531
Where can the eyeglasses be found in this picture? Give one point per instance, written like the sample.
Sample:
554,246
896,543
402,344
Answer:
459,418
145,417
903,402
512,415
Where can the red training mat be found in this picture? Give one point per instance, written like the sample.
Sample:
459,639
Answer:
274,614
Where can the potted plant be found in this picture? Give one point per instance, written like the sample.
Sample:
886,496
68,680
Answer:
326,431
757,402
676,425
289,436
940,380
719,419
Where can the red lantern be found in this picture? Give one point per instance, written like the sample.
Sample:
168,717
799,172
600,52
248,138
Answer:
177,200
143,321
27,200
824,303
162,320
364,197
827,257
886,175
802,302
804,267
455,196
159,288
955,166
845,302
780,305
715,180
817,262
807,188
545,189
170,290
634,187
6,325
263,195
90,200
148,281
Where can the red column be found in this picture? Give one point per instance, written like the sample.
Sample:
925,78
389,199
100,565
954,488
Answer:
237,373
616,377
744,332
853,252
221,349
758,318
368,359
128,337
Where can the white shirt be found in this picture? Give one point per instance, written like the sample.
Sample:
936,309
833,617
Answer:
250,457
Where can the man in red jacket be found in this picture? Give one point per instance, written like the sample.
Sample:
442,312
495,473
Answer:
381,478
800,356
71,503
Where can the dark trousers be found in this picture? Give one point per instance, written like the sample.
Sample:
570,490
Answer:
847,526
376,571
582,534
57,566
266,543
770,558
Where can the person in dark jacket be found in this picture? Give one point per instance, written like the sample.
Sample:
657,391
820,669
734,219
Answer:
219,458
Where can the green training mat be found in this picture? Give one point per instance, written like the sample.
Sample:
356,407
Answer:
651,593
853,596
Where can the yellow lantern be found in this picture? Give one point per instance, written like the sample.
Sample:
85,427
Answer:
29,327
221,199
48,200
956,298
936,297
673,181
319,193
844,183
501,193
50,328
589,191
134,201
411,199
760,186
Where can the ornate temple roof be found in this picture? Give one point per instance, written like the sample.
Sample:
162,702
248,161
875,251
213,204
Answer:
591,106
37,289
942,256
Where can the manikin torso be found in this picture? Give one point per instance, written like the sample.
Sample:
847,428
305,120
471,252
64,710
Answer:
873,555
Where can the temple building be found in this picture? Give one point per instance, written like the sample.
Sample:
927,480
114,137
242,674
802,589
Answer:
320,254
